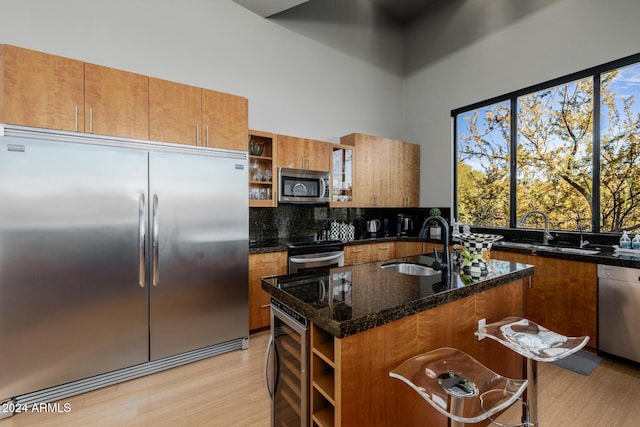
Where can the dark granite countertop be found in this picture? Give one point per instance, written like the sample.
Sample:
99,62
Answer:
604,256
365,296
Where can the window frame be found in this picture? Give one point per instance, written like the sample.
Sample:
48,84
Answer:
512,97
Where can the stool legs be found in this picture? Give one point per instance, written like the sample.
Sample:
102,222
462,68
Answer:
457,408
530,408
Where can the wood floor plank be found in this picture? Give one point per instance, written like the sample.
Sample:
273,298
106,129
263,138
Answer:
228,390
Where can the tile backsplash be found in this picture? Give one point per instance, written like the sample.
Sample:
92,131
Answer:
297,222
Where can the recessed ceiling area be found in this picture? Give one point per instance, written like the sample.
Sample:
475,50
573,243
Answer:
266,8
401,11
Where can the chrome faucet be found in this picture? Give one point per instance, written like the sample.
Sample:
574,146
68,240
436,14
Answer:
583,242
546,236
445,265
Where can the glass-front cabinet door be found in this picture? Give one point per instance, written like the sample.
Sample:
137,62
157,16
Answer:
342,176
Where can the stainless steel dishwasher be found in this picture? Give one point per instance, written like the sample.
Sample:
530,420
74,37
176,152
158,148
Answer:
619,311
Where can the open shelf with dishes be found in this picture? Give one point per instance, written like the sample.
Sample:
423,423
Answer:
262,169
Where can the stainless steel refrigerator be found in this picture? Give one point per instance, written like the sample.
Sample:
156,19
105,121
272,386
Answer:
115,254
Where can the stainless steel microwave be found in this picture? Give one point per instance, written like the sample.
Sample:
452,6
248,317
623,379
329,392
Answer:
303,186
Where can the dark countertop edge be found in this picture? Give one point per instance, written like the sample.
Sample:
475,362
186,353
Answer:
280,248
604,257
355,326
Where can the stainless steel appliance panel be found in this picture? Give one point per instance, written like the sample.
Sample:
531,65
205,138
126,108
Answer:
73,303
303,186
619,311
200,251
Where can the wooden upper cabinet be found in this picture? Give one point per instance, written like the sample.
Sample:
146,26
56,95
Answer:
404,167
41,90
116,102
225,119
372,173
174,112
387,171
303,153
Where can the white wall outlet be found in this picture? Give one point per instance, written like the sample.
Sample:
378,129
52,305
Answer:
481,324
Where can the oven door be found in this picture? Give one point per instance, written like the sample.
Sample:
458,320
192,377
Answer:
298,263
288,367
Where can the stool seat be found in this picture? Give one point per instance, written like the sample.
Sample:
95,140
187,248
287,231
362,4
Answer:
457,385
531,340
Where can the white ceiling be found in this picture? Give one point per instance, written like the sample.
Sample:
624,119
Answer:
402,11
266,8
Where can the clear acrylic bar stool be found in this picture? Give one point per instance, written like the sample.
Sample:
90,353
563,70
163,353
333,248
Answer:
458,386
537,344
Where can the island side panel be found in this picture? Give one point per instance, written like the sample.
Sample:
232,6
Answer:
368,393
368,396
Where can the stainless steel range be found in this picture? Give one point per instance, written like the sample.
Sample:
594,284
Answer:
305,255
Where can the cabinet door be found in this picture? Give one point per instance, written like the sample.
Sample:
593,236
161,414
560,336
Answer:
372,175
570,296
383,251
365,163
303,153
291,152
261,265
562,296
174,112
405,174
116,102
408,249
356,254
225,119
318,155
342,176
41,90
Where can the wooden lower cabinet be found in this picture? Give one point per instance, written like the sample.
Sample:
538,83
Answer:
563,294
369,252
350,376
408,249
382,251
260,265
356,254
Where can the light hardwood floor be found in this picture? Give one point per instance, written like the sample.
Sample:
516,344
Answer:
228,390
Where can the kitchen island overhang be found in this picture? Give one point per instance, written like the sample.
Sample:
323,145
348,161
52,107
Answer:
364,296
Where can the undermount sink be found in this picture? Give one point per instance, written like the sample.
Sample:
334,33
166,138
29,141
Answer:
578,251
533,246
410,268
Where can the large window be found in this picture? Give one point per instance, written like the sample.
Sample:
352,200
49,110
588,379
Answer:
483,165
554,160
620,149
581,168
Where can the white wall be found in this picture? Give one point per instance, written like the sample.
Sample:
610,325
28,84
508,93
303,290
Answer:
324,73
478,49
296,82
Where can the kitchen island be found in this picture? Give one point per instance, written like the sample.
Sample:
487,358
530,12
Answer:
365,320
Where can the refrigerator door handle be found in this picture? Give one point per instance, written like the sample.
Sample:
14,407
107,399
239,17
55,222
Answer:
155,242
141,240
